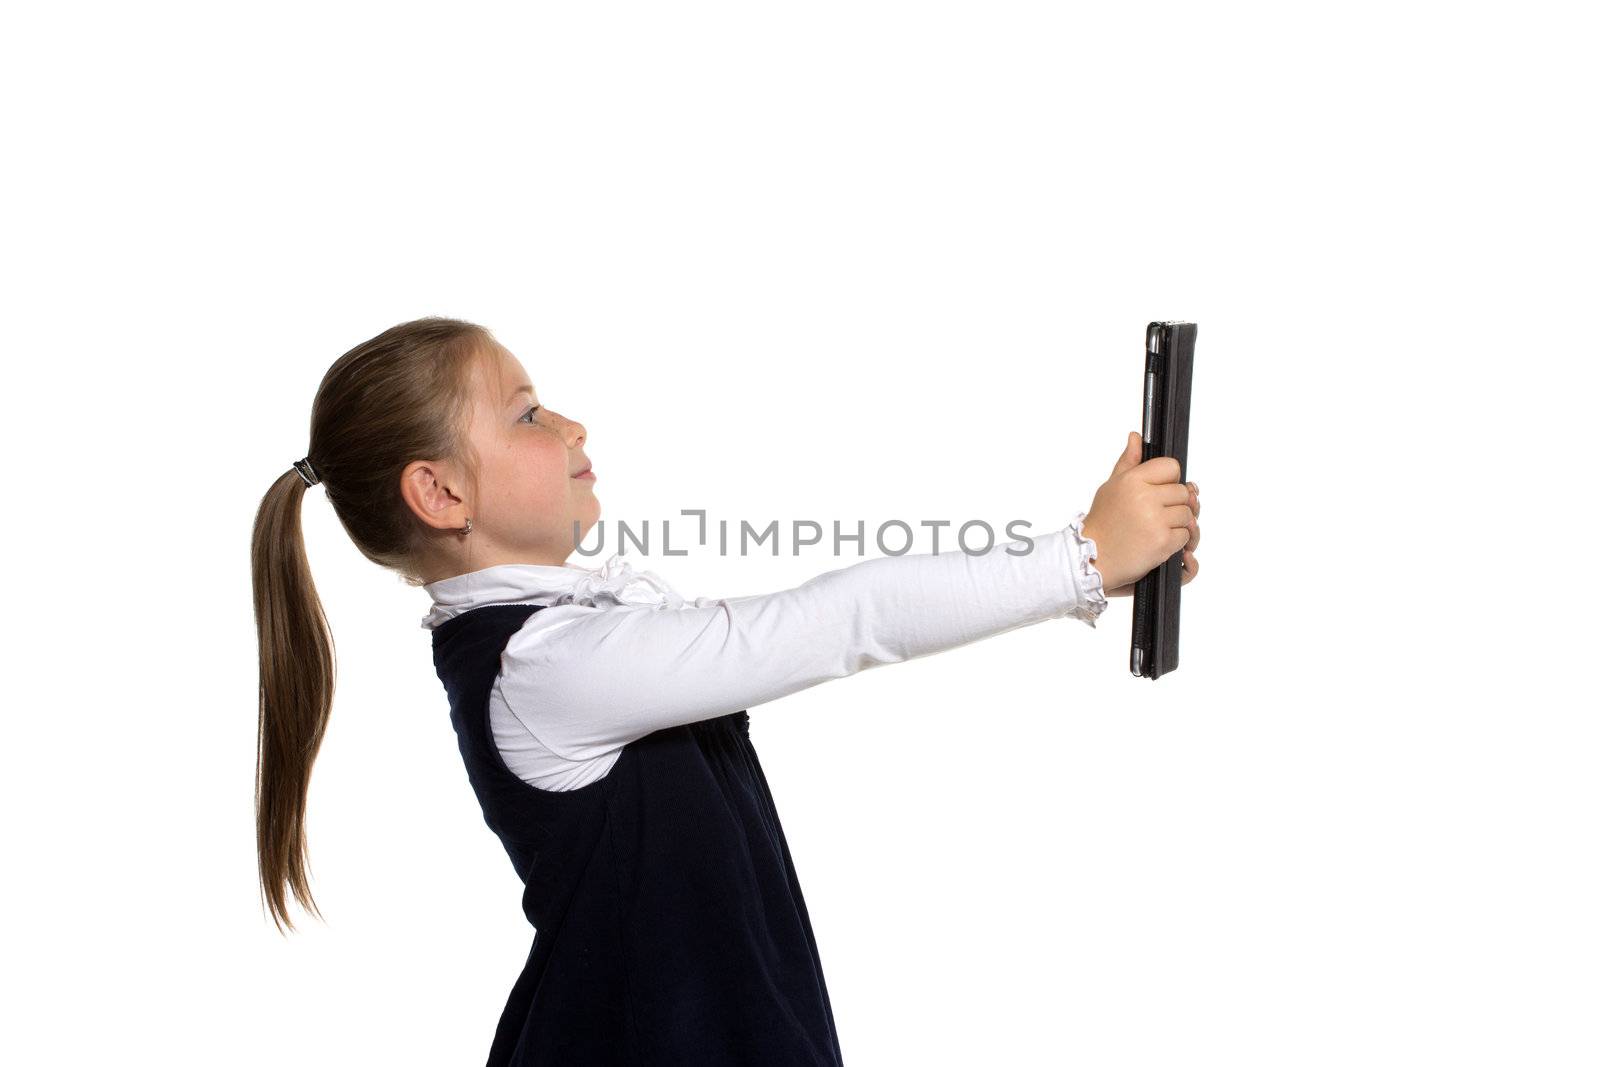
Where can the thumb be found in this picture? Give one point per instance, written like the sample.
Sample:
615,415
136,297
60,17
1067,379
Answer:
1131,454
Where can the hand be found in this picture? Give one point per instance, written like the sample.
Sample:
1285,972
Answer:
1190,563
1140,517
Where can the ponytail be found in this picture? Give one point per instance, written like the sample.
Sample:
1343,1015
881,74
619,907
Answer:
296,694
400,396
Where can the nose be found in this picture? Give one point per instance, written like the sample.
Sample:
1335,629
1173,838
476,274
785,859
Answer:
574,432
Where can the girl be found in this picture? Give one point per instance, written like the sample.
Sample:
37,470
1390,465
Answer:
603,719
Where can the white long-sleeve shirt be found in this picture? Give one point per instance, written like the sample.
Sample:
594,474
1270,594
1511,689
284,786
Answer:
618,654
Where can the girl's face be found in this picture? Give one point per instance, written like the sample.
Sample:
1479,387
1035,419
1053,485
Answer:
528,499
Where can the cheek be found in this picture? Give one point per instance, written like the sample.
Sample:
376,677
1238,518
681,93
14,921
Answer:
543,470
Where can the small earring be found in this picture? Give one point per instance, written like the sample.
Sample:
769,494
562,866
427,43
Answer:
468,528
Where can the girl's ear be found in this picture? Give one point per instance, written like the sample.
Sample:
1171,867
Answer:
425,487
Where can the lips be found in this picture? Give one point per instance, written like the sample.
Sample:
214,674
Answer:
586,473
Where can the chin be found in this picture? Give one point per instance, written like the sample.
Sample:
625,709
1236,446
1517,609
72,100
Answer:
586,519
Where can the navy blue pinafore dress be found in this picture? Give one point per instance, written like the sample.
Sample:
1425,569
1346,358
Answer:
669,924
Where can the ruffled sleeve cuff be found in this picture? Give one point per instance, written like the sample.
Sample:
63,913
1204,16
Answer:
1085,575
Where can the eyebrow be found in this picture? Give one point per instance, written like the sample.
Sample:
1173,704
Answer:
518,391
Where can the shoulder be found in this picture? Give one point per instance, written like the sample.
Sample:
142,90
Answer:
537,633
566,631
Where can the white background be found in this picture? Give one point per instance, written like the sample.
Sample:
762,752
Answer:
835,261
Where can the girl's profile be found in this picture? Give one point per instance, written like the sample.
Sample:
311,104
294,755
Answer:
603,717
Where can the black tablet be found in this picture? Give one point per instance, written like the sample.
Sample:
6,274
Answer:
1168,370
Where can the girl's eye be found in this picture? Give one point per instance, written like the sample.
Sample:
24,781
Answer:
528,415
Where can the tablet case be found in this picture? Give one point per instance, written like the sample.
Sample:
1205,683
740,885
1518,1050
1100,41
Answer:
1168,371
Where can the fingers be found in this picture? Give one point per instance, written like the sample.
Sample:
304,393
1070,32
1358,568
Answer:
1178,493
1190,562
1178,515
1191,567
1194,506
1173,493
1160,470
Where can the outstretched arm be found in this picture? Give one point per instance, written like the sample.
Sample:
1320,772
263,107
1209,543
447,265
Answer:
587,680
